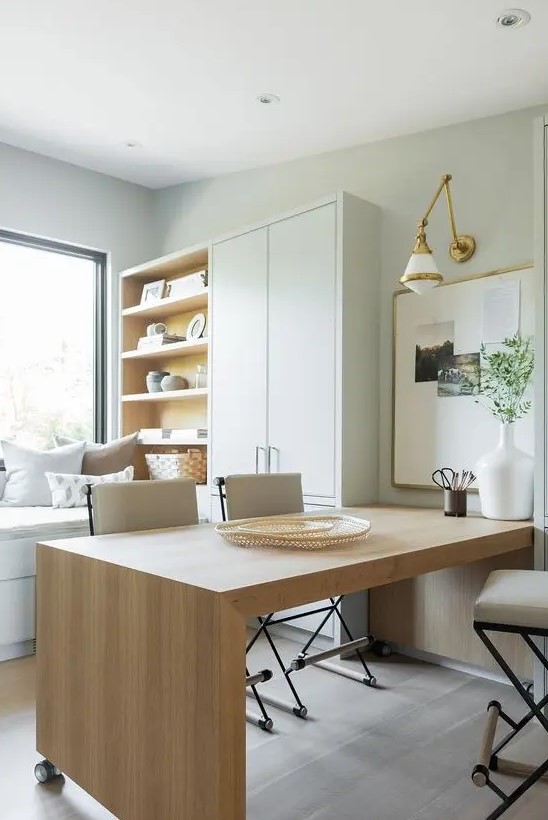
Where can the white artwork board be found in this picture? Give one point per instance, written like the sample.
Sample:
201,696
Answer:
430,431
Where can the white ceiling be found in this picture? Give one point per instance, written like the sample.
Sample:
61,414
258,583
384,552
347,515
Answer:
181,77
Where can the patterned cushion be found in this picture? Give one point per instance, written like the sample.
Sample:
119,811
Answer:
68,490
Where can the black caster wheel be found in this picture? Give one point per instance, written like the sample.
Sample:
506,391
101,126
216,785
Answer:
46,772
372,682
300,711
266,724
382,649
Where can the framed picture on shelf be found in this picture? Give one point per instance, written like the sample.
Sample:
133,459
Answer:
153,291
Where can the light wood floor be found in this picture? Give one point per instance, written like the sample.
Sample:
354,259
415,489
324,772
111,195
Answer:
403,752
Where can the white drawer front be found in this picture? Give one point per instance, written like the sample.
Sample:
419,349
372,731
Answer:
16,610
17,558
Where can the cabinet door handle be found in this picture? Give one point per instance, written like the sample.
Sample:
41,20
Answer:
257,449
272,449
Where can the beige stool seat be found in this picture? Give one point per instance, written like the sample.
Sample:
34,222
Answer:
515,598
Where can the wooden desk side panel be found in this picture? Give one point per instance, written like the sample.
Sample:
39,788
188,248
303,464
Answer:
434,613
131,673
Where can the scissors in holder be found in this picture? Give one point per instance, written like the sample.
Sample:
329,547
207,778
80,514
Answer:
444,478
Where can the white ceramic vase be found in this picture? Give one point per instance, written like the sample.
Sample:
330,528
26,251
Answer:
505,480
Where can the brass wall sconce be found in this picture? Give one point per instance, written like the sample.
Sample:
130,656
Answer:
421,273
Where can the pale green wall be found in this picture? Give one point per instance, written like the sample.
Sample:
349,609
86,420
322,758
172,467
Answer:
492,164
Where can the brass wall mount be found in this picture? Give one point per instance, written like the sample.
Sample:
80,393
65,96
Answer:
422,272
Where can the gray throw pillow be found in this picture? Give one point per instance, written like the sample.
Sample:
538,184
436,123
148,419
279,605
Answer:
26,484
103,459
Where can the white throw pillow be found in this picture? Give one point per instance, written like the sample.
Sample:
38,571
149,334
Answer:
26,484
71,490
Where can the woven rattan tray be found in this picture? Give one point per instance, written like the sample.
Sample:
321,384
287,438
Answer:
312,532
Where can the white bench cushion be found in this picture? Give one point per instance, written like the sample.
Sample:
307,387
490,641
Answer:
22,527
514,598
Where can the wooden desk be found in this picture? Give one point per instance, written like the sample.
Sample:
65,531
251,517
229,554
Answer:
141,647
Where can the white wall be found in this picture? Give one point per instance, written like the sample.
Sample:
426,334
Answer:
492,164
48,198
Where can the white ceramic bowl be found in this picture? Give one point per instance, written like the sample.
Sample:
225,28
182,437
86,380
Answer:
173,383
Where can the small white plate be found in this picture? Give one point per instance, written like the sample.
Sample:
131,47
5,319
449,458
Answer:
196,326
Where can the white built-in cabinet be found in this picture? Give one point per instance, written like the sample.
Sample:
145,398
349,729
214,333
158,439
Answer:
294,350
294,357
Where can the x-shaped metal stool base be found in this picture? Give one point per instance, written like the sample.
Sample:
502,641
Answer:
489,758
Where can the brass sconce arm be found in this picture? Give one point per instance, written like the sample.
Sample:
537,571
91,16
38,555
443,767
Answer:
462,247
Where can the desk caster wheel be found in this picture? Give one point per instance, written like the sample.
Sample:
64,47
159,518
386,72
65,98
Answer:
46,772
372,681
382,649
300,711
266,724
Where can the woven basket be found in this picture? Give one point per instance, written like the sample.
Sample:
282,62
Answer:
189,464
304,532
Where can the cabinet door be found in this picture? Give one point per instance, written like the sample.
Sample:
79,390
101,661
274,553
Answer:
238,355
301,342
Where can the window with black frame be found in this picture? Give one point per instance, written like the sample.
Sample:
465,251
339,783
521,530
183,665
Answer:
52,341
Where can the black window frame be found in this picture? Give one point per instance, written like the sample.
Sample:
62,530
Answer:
100,308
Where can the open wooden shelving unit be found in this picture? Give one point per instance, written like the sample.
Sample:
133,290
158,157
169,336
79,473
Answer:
176,409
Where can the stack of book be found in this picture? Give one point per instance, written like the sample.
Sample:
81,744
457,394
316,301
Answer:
195,435
188,285
158,340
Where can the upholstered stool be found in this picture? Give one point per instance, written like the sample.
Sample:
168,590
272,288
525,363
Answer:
512,601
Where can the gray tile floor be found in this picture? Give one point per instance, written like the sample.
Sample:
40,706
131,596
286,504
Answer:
401,752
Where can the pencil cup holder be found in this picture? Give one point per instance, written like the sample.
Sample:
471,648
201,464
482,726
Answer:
454,502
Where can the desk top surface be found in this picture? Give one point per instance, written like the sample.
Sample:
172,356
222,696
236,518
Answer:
403,542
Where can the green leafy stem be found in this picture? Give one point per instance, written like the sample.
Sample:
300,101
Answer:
505,376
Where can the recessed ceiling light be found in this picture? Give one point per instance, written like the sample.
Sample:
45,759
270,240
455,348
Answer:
513,18
268,99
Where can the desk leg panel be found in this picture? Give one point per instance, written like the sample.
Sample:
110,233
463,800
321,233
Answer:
141,697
